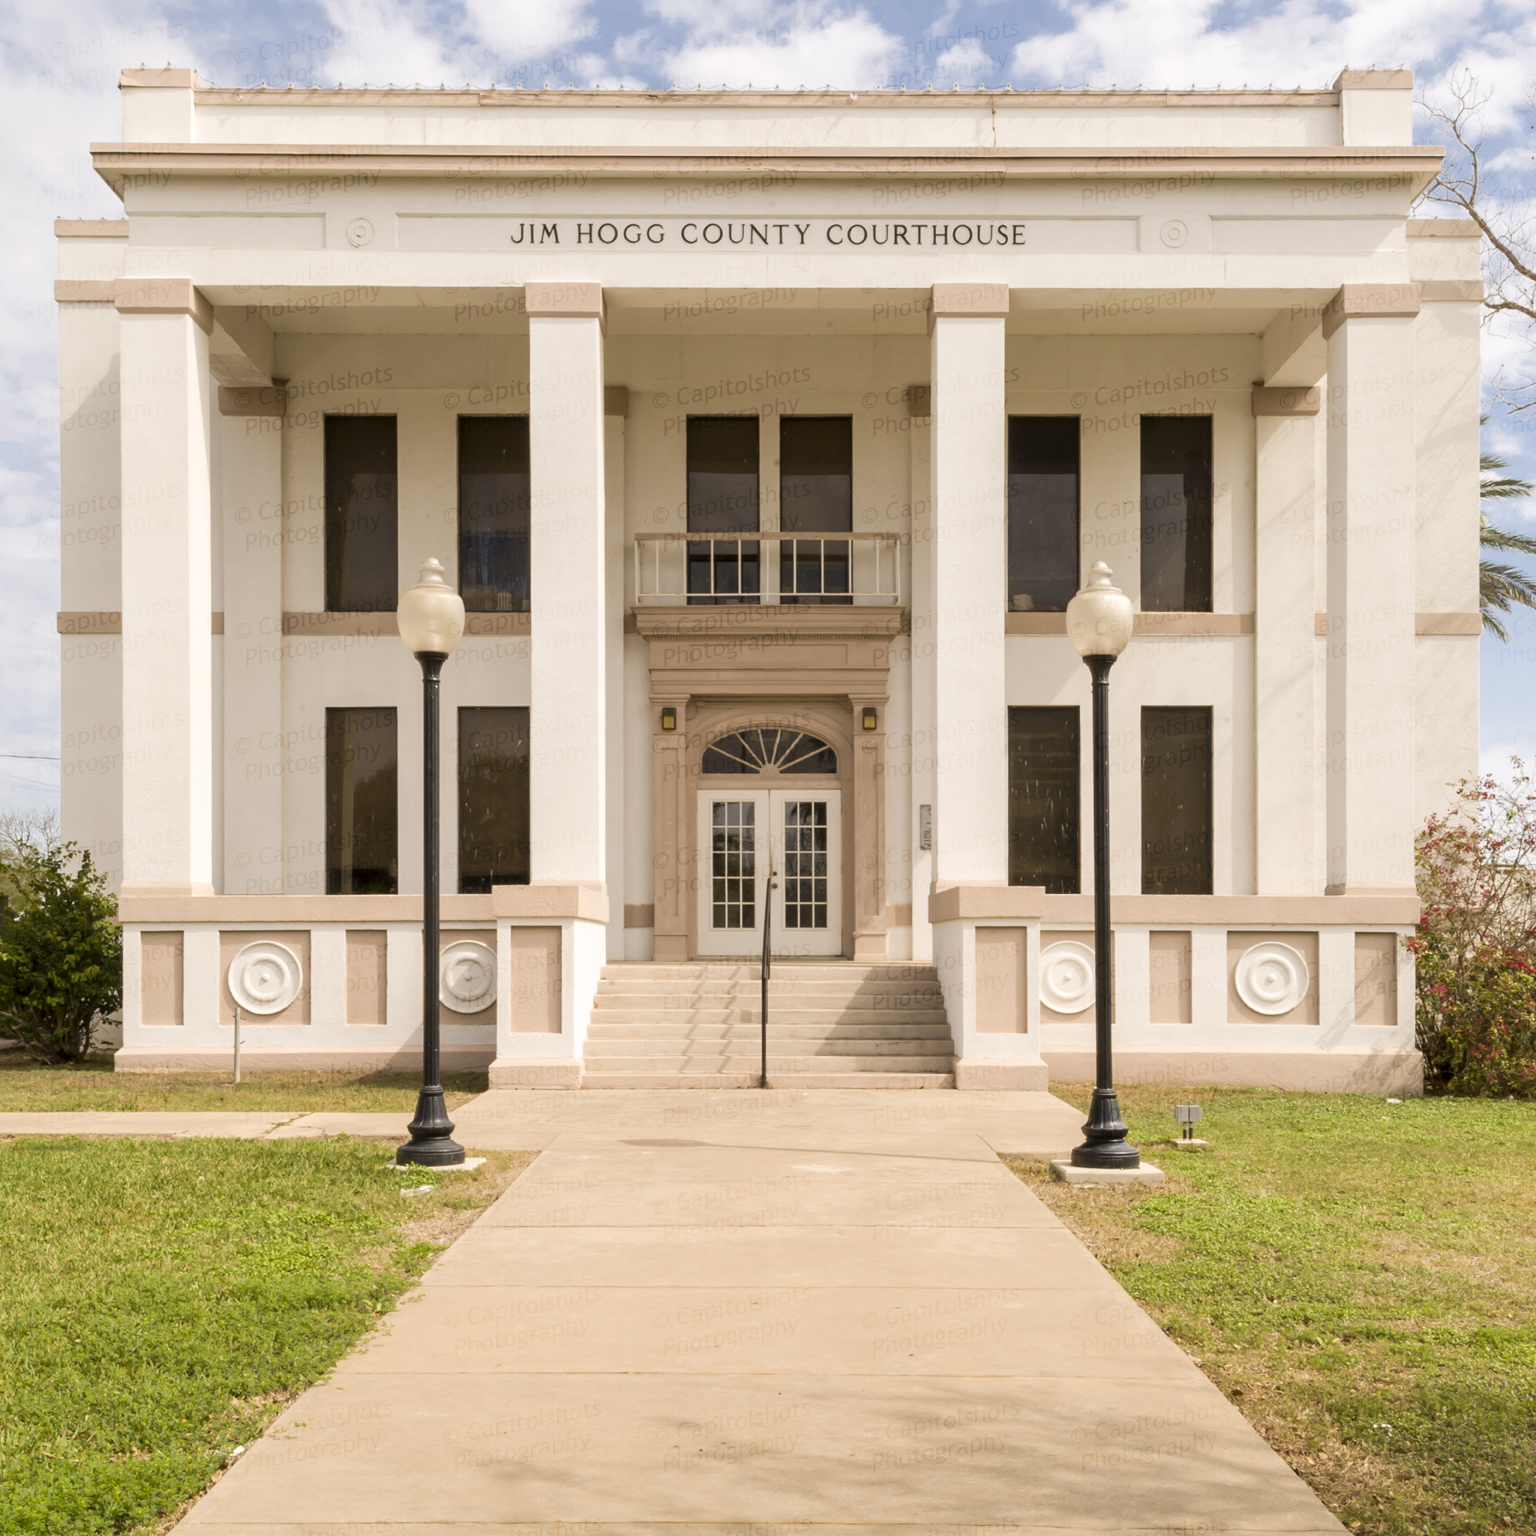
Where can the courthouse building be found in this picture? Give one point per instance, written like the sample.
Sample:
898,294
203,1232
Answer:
766,435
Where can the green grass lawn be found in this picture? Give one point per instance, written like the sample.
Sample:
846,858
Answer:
1359,1277
28,1085
160,1301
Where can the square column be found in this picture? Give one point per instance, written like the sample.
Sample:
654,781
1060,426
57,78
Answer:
1371,529
167,588
567,559
969,522
1288,861
251,485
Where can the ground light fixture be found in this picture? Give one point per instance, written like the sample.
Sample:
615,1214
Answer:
1099,622
431,618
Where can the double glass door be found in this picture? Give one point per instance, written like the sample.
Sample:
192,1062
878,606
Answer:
797,835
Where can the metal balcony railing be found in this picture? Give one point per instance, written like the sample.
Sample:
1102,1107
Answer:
768,567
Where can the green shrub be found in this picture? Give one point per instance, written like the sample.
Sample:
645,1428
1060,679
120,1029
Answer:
61,951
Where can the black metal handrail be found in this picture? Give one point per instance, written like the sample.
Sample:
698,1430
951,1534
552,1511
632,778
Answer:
769,886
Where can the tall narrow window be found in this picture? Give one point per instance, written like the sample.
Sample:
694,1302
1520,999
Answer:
493,513
1044,798
361,505
361,831
723,498
493,798
1176,514
815,497
1176,802
1042,512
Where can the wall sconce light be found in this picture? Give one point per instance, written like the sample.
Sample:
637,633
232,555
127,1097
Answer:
871,718
669,718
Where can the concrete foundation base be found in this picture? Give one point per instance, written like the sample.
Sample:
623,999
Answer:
1063,1169
464,1167
1318,1071
979,1075
535,1072
254,1059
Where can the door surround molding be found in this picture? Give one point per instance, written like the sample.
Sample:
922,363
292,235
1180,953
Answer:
742,667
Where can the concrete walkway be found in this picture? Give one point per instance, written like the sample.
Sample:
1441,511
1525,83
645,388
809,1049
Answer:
831,1312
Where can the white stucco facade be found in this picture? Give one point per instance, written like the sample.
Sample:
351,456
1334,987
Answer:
609,264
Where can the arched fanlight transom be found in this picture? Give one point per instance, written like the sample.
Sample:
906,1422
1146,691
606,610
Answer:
773,751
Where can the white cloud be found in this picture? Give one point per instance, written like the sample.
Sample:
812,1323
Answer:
967,62
1299,42
58,92
748,42
407,43
847,52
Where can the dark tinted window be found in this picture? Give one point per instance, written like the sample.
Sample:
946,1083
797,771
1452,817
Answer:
1042,512
723,498
1176,514
493,798
1043,798
1176,802
493,513
815,496
361,830
361,491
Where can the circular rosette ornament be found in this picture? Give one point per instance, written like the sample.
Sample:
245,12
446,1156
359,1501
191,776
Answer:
265,977
1066,977
467,976
1272,978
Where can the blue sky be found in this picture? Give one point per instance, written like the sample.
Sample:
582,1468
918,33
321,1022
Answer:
58,75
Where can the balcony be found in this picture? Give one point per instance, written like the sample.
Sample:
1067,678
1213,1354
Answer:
769,568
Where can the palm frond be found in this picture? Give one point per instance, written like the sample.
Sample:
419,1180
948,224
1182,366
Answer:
1491,537
1494,487
1500,588
1505,488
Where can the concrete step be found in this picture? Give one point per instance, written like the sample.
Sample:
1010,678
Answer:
832,1024
714,1062
914,1080
785,1015
591,1079
750,1044
782,970
861,1080
615,995
709,1029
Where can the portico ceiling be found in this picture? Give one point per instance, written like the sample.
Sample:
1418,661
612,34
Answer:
1177,309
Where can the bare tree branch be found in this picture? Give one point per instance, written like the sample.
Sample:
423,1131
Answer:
1501,208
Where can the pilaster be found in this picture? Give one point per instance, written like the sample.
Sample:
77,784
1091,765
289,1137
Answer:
250,439
1371,525
167,588
569,599
1287,861
970,542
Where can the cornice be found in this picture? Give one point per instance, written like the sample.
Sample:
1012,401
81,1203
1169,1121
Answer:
456,161
862,100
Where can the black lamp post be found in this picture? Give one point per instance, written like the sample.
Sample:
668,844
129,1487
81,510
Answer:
1099,621
431,617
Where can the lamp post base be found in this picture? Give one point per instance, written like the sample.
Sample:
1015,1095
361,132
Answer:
431,1143
1105,1145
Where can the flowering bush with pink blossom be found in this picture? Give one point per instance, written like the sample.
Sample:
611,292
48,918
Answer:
1475,947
